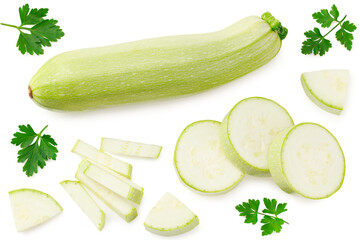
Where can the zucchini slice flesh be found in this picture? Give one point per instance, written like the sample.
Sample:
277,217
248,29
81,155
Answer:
31,208
308,160
170,217
201,162
248,129
85,202
155,68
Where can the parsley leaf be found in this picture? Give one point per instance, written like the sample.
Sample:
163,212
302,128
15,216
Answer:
316,43
43,31
33,16
271,224
334,12
270,206
324,18
34,153
344,34
249,210
271,221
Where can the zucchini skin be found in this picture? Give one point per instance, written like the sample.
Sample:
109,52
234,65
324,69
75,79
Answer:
154,68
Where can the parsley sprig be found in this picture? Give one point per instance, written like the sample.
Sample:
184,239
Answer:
271,222
317,43
36,32
34,153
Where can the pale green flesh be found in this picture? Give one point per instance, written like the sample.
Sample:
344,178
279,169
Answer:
153,68
200,161
133,149
308,160
31,208
102,159
170,217
327,88
119,205
247,131
116,183
85,202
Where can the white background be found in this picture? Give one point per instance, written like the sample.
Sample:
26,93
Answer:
96,23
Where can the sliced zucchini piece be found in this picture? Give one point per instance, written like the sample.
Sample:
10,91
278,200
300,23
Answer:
31,208
201,162
307,159
116,183
133,149
248,129
327,88
170,217
98,157
85,202
119,205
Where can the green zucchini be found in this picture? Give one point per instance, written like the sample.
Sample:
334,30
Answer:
156,68
307,159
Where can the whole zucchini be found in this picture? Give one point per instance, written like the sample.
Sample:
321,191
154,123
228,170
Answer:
156,68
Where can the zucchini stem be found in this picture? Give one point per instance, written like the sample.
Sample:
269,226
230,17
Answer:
275,25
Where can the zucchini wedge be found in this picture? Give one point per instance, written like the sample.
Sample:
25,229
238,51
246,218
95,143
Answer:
31,208
170,217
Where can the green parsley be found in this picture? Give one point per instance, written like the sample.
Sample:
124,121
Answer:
271,222
36,32
317,43
34,153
